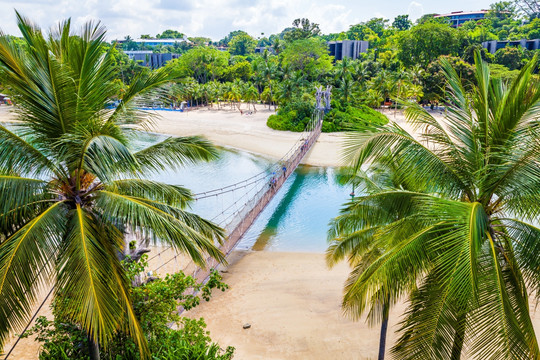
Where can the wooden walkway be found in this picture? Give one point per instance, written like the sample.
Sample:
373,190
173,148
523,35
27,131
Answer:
258,203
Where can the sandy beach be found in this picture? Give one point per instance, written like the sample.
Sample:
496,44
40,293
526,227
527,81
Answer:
229,128
291,300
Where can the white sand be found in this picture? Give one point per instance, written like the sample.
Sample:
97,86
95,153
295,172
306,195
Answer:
247,132
291,300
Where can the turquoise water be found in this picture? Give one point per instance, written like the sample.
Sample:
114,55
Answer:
295,220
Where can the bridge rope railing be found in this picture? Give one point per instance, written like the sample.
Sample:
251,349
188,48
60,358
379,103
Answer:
236,224
262,181
245,217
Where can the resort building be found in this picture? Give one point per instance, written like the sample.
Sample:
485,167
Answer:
154,42
347,48
150,59
260,49
458,18
493,46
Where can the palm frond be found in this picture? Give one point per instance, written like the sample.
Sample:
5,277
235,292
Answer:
175,152
22,256
86,278
172,195
186,232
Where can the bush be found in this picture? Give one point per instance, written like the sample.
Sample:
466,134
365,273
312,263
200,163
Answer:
155,304
295,116
352,118
292,117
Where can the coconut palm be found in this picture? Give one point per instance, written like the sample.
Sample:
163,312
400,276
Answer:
467,243
269,72
71,187
350,238
400,78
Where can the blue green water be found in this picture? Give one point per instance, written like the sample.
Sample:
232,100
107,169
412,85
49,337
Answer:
295,220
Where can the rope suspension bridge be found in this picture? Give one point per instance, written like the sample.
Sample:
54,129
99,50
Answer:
256,192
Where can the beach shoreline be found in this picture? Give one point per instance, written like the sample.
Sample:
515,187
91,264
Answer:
291,299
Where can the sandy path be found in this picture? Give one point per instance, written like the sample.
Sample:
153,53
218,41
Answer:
292,302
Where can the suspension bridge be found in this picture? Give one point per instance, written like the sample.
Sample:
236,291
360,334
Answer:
255,194
252,196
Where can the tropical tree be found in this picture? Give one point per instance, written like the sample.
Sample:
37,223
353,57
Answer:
400,78
242,44
71,187
351,239
466,244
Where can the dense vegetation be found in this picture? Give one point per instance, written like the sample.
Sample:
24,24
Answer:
155,303
447,218
403,62
295,115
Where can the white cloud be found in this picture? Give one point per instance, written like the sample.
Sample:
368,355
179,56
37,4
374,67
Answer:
216,18
415,11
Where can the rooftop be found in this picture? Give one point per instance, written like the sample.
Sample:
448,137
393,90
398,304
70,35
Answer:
454,13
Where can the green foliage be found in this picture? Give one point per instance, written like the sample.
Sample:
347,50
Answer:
511,57
199,40
350,118
302,29
435,80
170,34
402,22
155,303
295,116
242,44
502,72
225,41
310,56
202,63
426,42
292,117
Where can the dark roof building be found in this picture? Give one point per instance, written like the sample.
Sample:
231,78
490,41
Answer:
151,59
458,18
493,46
347,48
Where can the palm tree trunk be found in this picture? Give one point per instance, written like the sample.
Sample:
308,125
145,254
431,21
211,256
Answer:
384,331
398,91
93,349
459,337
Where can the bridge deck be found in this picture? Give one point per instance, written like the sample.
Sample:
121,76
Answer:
257,204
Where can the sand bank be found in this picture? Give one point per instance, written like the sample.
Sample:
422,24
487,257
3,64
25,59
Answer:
228,127
292,302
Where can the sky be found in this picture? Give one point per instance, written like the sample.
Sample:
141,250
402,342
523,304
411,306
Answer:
216,18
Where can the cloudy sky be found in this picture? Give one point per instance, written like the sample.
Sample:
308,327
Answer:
216,18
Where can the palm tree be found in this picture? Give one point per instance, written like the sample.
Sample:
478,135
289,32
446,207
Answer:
71,187
400,77
269,72
467,243
350,237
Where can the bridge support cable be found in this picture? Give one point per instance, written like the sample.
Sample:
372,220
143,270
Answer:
240,223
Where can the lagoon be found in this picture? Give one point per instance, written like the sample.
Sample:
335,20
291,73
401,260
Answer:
295,220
